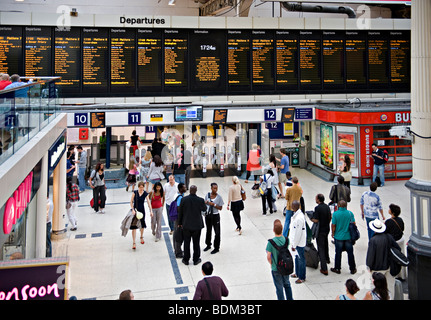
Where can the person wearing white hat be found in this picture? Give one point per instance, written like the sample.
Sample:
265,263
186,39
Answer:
378,253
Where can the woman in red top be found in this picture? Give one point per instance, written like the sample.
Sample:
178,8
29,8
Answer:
253,163
157,202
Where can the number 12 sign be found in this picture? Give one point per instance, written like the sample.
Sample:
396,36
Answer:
270,115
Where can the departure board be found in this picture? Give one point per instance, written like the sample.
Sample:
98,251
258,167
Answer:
38,58
149,59
333,59
356,59
95,60
378,62
309,59
262,59
399,42
123,60
286,50
175,60
144,61
11,50
67,58
238,60
207,69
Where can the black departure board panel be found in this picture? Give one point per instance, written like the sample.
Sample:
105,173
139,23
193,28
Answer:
38,57
149,59
309,59
95,62
175,60
399,42
11,50
262,59
286,52
123,60
378,58
67,59
238,60
207,61
356,59
333,59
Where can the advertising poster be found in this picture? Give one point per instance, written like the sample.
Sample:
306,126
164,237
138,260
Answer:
326,146
346,146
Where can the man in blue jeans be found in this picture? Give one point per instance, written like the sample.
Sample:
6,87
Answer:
379,164
82,165
298,241
282,283
340,232
371,205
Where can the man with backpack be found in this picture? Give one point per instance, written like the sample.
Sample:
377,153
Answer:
173,215
277,251
379,164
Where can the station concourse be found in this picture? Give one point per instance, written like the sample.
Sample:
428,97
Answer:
103,263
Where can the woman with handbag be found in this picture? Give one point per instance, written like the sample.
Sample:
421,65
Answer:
138,209
133,172
97,183
235,202
345,172
72,198
155,174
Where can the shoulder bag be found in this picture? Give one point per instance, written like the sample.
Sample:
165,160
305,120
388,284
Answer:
243,195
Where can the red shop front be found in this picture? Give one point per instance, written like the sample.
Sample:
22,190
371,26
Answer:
352,131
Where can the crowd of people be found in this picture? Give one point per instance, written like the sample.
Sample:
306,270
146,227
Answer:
188,215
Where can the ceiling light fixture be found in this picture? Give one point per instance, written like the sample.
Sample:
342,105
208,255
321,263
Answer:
171,2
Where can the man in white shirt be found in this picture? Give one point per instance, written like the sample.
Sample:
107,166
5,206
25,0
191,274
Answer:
170,190
298,241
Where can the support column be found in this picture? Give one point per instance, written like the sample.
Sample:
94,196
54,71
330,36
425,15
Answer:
42,195
108,147
419,244
59,218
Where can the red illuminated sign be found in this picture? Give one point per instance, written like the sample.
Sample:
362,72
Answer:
16,204
366,142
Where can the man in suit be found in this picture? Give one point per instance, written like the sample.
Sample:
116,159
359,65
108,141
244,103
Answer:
190,219
210,287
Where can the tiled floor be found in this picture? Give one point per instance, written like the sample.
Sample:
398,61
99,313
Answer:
102,262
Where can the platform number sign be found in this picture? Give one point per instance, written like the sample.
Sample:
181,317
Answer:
10,120
134,118
81,119
270,115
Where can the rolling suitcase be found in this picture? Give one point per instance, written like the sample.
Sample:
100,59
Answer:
311,256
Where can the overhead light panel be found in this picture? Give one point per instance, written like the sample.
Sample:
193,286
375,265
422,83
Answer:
171,2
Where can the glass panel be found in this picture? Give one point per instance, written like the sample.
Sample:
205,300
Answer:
22,115
414,216
425,217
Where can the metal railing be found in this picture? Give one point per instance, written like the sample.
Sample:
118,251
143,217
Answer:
24,111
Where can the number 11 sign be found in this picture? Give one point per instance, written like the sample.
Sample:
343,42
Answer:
134,118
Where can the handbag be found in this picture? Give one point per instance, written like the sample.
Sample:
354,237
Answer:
314,230
354,232
243,195
263,186
139,215
209,210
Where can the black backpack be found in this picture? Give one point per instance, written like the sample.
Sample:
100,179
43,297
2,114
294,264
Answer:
285,261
